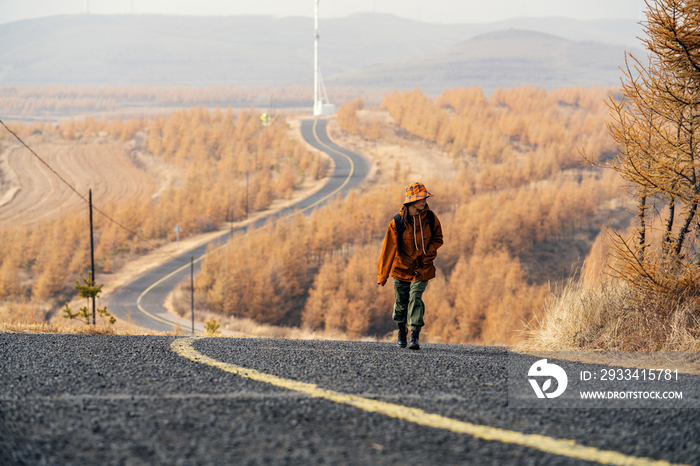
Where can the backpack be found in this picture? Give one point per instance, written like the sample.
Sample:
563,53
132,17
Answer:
401,227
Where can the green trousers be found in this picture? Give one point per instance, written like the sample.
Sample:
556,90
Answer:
408,305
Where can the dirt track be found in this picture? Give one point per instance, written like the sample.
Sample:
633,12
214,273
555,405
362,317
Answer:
30,192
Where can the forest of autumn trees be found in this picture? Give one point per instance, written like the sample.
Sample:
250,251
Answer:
231,165
517,187
349,122
655,125
60,101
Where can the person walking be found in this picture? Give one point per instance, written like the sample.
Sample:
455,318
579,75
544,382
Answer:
409,249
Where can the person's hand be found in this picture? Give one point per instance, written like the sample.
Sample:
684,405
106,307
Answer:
382,283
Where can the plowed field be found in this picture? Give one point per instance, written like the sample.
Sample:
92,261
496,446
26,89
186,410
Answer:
29,191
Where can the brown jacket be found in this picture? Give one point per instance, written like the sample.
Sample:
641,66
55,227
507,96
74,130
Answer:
411,257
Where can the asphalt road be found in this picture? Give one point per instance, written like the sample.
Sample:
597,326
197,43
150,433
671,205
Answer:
131,400
142,300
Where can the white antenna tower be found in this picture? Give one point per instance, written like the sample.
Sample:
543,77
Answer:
87,7
319,107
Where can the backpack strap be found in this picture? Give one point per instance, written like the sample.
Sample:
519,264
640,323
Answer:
431,221
401,227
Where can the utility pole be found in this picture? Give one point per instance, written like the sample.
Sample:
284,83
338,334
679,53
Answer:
177,230
318,109
192,289
92,257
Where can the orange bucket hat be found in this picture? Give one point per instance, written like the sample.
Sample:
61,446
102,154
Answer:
416,192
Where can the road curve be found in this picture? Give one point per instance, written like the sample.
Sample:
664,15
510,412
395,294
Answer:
113,400
142,300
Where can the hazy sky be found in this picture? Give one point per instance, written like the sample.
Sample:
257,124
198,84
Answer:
436,11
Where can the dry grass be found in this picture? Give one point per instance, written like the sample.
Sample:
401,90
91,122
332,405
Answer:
35,318
609,315
100,329
611,324
251,328
32,318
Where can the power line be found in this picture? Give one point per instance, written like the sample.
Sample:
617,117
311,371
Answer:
42,161
84,199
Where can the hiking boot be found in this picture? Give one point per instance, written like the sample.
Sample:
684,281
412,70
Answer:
403,331
414,340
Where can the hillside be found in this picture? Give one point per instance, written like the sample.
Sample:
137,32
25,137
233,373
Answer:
498,59
151,50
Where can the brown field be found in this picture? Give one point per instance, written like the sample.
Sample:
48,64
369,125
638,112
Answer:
30,192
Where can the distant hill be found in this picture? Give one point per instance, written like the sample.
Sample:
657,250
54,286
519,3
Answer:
498,59
152,50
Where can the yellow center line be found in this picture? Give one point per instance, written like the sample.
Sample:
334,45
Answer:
347,180
141,296
569,448
147,290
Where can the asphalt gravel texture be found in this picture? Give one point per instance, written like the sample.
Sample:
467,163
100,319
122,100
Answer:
130,400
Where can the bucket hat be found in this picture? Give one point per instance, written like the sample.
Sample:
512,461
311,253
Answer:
416,192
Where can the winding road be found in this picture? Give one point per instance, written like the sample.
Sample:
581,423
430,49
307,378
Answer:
141,301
